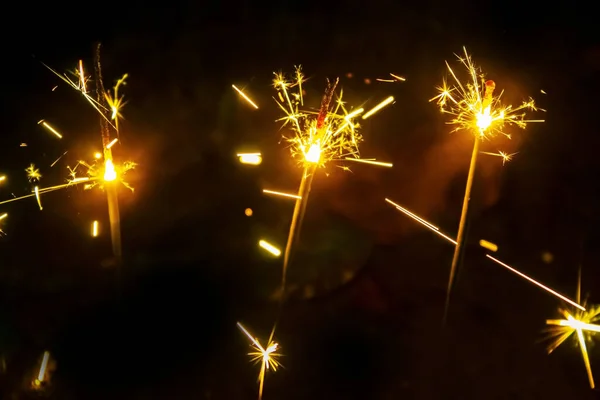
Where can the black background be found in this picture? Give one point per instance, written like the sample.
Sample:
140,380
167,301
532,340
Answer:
192,267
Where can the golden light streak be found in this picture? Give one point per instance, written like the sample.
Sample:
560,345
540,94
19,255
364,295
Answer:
372,162
245,97
378,107
112,143
49,189
50,128
282,194
58,159
36,190
250,158
399,78
435,229
546,288
474,108
2,217
269,247
488,245
267,356
95,229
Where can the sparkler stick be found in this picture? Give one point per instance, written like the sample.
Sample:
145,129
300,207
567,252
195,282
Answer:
474,108
485,244
110,176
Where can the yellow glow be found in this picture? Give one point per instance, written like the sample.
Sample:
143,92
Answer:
3,216
248,212
51,129
270,248
95,229
110,174
313,155
378,107
282,194
97,155
250,158
33,174
36,190
266,356
245,97
435,229
488,245
2,178
112,143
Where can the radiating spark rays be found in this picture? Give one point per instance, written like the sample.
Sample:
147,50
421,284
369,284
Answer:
580,323
505,156
282,194
95,229
50,128
250,158
72,182
269,247
371,162
473,107
115,103
80,87
245,97
33,173
378,107
267,356
435,229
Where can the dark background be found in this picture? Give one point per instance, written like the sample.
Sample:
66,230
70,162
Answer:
369,284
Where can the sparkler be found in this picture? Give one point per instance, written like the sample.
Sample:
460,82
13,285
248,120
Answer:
487,245
331,134
267,356
474,108
579,322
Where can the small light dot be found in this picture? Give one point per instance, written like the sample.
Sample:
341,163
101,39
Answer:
547,257
367,81
248,212
349,75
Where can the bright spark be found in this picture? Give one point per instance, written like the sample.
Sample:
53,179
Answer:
112,143
511,269
473,106
250,158
36,190
580,322
282,194
378,107
505,157
372,162
245,97
42,372
2,178
270,248
488,245
2,217
95,229
50,128
267,356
